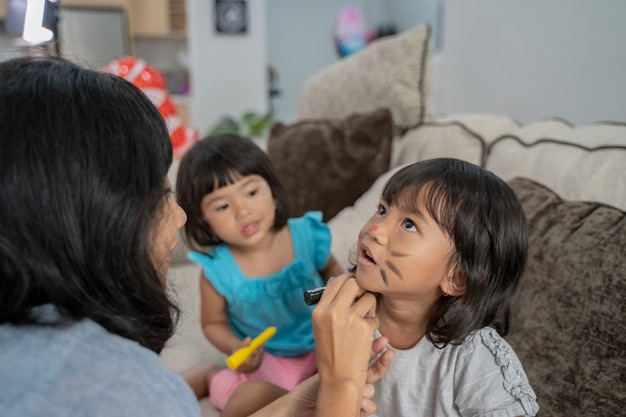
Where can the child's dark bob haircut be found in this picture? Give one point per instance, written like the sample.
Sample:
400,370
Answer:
483,218
212,163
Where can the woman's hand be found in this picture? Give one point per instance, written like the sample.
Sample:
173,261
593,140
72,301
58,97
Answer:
305,397
344,323
376,371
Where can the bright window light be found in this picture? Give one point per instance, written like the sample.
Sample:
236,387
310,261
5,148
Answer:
34,32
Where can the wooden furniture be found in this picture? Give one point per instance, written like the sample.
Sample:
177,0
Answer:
147,18
158,18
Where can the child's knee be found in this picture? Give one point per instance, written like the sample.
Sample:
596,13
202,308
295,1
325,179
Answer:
251,396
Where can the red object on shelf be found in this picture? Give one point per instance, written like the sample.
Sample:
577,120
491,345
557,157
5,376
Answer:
152,82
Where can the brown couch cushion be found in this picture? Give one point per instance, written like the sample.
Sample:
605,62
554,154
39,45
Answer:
568,323
326,164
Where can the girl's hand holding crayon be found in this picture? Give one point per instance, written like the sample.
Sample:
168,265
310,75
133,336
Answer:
249,357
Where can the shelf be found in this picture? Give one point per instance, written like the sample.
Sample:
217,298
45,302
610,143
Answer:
158,18
180,36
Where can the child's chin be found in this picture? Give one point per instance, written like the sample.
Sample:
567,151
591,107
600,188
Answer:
360,279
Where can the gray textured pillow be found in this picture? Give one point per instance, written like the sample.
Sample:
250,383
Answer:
568,323
327,164
392,72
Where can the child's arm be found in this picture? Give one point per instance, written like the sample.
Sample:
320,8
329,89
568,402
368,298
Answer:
215,320
332,269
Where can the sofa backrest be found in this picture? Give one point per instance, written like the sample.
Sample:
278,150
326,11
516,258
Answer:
586,163
462,136
578,162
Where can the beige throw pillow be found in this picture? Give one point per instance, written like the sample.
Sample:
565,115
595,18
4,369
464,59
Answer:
392,72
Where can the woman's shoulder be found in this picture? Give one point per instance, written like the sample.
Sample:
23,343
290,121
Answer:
156,390
89,370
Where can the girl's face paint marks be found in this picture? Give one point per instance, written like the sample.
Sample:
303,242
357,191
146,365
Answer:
383,274
403,252
394,269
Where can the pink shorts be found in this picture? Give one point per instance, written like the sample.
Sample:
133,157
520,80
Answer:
283,372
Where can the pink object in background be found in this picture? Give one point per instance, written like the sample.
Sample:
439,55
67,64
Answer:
152,82
351,35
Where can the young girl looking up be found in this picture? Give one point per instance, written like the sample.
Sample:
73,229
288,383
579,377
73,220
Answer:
256,264
444,251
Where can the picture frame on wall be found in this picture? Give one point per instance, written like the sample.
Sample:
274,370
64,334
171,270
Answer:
231,16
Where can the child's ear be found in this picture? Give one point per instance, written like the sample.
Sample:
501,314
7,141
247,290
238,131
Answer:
455,283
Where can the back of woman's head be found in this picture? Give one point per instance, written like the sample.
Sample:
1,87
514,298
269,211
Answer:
83,158
212,163
485,222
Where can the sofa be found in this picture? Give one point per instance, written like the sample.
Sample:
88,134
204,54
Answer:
568,322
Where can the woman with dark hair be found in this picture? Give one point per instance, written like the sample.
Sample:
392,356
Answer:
87,224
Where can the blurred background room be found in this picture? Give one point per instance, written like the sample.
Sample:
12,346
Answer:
223,58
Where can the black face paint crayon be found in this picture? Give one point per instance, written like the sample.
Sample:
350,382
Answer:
313,296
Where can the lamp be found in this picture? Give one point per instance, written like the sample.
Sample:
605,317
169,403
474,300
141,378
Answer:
33,20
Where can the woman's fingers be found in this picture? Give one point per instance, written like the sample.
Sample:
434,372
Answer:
368,406
380,366
344,323
365,306
344,329
379,345
342,288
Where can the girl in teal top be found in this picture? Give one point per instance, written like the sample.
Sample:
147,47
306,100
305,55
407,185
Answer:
256,264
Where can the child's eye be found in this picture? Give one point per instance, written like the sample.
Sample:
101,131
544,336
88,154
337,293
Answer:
252,193
409,225
221,207
381,210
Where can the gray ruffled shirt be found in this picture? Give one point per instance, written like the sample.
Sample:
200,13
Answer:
481,377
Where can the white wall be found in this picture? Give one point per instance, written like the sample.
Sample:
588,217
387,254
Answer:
534,59
300,39
529,59
228,73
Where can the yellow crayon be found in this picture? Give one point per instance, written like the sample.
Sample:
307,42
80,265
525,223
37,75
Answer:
240,356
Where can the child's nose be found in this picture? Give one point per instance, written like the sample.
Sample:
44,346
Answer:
377,233
243,209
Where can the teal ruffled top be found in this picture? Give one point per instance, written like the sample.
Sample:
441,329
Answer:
255,303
